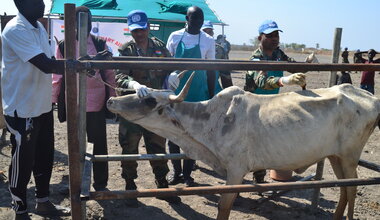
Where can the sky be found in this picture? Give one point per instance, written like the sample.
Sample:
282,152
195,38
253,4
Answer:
302,22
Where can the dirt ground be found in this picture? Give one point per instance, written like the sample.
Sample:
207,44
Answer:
292,205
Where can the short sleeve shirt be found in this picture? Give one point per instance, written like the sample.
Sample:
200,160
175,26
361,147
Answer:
206,43
25,89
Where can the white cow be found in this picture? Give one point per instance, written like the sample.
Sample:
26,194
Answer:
237,132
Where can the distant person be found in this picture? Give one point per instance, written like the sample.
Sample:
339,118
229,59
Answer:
358,56
97,94
225,76
221,39
345,55
191,42
142,81
26,88
367,81
269,82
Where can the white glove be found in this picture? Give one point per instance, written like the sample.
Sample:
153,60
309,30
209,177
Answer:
294,79
173,81
141,90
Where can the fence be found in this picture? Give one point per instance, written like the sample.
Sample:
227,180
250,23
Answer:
80,164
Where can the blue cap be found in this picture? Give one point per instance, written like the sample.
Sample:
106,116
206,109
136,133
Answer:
137,19
268,26
207,24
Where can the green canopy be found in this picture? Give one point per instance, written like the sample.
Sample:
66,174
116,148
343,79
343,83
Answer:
165,10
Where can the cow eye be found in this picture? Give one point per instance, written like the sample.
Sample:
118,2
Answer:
151,102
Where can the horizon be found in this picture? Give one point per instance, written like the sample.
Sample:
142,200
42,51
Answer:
317,21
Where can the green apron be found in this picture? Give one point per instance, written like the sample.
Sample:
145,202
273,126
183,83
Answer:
198,90
270,91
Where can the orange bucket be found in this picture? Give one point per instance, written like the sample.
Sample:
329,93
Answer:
281,175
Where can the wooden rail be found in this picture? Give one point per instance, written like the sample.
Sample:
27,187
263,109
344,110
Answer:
228,189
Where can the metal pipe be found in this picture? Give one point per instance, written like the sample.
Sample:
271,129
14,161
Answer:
105,195
132,157
369,165
224,65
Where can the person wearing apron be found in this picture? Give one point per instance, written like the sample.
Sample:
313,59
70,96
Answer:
191,43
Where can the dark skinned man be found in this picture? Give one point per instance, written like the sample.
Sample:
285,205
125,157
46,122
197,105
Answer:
26,89
191,42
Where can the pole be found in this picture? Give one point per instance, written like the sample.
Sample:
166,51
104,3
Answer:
77,208
82,79
332,82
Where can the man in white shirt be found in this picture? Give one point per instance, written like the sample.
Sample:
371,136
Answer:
191,42
26,98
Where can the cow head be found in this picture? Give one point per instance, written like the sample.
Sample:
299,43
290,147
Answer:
133,108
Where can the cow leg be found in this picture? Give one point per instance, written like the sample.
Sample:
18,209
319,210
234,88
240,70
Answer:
226,200
349,168
3,134
338,170
345,169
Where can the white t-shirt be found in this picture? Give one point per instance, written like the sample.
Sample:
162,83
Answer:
25,88
206,43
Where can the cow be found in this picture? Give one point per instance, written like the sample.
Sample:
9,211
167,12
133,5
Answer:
237,132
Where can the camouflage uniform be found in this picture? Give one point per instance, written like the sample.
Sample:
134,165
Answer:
255,79
130,133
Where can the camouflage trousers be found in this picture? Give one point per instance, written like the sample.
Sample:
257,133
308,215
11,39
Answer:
130,135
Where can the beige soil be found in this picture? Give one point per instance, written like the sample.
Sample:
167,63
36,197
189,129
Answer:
293,205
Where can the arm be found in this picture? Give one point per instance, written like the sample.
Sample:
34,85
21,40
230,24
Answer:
122,75
170,45
110,78
211,82
260,79
47,65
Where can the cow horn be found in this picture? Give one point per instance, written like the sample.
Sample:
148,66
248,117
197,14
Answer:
181,74
181,96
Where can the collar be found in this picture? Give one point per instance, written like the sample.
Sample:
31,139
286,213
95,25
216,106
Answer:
24,21
150,42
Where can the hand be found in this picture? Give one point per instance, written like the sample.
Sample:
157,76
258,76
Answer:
294,79
141,90
103,55
173,81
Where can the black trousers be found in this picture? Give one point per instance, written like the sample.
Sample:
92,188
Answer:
187,164
32,142
97,134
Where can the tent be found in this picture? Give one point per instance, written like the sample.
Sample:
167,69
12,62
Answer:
165,16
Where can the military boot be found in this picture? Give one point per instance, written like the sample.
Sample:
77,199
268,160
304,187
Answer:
130,185
163,183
